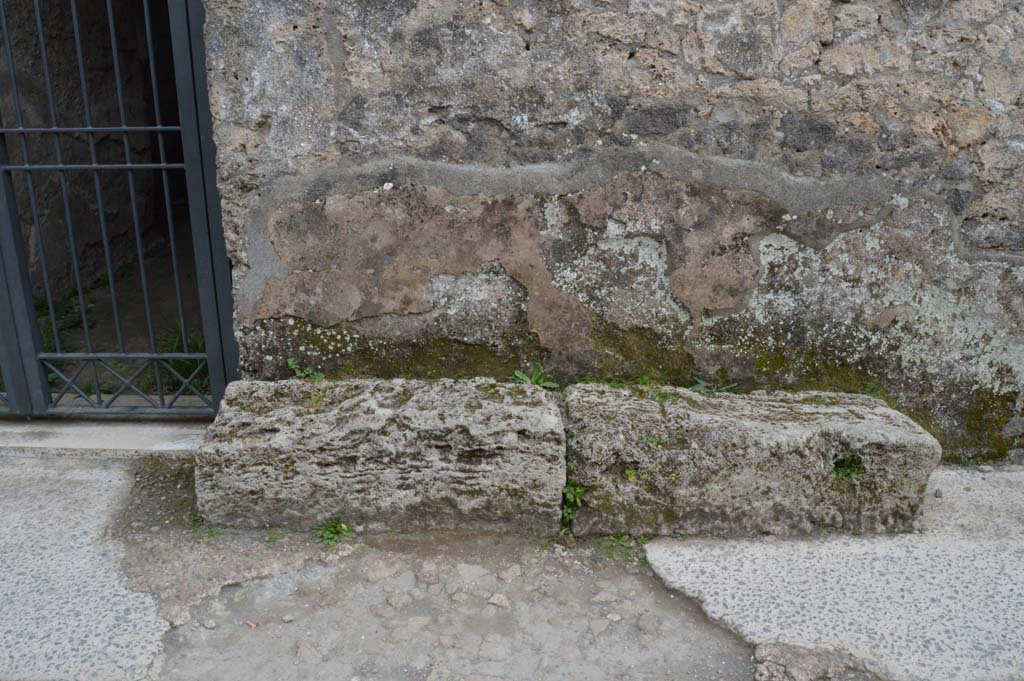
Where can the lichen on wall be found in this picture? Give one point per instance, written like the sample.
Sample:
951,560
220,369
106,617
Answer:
788,194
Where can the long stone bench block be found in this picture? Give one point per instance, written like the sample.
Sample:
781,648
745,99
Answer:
388,455
657,460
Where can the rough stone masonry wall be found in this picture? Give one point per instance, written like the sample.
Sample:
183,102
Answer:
803,194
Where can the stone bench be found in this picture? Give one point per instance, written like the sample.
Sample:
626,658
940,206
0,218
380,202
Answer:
402,455
386,455
658,460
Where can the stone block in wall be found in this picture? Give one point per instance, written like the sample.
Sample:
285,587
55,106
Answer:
387,455
993,236
659,460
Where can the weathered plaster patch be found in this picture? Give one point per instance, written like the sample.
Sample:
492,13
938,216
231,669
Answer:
895,303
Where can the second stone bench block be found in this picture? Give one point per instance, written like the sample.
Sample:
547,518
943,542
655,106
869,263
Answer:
663,461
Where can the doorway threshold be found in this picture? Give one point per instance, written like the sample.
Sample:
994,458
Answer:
101,439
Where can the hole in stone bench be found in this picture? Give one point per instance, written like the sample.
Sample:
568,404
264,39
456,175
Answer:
849,466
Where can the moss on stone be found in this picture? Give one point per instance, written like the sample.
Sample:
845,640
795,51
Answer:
825,401
787,369
973,431
491,392
970,429
345,352
642,352
317,398
978,430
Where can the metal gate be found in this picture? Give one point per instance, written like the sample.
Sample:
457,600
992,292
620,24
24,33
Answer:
116,297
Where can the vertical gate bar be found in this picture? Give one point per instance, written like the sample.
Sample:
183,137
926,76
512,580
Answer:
15,382
172,232
132,193
208,150
185,74
96,175
17,313
65,192
218,245
25,152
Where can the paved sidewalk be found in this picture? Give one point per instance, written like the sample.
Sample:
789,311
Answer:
106,573
66,611
944,604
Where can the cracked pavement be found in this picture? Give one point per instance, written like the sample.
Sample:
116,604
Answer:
946,603
107,574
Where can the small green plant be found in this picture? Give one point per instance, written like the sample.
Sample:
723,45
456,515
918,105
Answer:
572,500
67,316
631,475
873,390
658,441
619,546
537,376
711,388
565,538
304,374
332,532
200,524
274,536
849,466
625,548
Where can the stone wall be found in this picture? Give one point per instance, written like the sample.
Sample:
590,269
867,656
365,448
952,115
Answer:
803,194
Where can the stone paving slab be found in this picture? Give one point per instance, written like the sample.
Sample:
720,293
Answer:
65,609
455,609
947,603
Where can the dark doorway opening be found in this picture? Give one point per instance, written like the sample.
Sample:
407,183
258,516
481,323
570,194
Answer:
106,227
